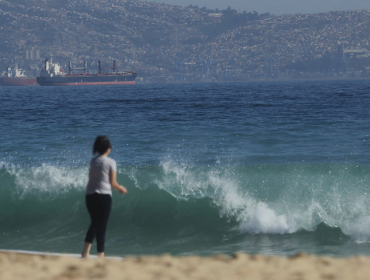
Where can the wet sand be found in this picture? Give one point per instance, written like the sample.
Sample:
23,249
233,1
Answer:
14,266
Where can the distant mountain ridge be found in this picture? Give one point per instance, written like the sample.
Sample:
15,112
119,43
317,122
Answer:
130,23
158,37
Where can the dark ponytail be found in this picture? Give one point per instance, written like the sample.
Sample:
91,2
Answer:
101,144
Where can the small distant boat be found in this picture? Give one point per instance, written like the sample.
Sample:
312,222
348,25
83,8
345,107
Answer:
54,75
16,78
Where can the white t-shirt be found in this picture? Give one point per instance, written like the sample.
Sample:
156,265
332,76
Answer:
100,167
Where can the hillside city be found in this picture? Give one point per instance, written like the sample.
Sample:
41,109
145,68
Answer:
166,43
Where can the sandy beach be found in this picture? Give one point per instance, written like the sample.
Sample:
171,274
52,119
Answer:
14,266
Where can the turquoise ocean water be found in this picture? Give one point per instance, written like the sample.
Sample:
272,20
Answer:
271,168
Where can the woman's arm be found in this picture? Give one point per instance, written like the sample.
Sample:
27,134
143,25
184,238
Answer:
114,184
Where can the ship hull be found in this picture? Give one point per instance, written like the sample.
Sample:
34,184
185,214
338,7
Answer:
18,82
87,80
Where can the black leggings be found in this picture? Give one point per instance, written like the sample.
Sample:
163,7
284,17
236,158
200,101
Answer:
99,206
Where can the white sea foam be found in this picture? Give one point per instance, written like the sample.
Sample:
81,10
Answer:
306,200
183,182
47,179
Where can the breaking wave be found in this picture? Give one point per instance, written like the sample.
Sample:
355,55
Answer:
177,202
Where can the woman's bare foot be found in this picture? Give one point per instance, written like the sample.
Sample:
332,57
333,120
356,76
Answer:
86,251
101,255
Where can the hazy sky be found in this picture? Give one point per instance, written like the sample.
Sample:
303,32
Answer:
277,7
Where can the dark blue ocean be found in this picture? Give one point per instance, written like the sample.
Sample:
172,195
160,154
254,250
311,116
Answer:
272,168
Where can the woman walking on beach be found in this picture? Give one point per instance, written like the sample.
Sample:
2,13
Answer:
102,179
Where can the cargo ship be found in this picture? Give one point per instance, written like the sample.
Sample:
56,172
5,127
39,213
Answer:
16,78
54,75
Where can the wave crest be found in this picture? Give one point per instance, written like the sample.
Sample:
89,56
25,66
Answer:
248,199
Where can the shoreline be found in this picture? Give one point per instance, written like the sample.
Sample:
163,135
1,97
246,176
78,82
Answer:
22,266
261,80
